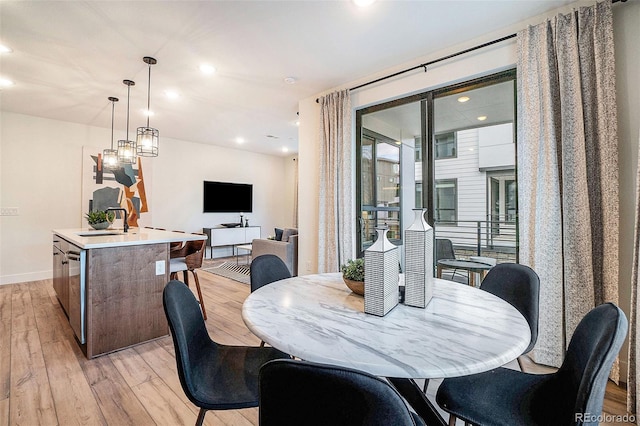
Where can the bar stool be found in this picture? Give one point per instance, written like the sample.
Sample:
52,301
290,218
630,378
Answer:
187,259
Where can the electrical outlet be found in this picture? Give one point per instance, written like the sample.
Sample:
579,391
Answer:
9,211
308,266
160,267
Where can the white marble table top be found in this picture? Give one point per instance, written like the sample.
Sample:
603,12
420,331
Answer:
462,331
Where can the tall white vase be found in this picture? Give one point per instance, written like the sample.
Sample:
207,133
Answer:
418,260
381,274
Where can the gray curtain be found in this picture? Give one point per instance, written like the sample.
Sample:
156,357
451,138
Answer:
633,381
336,217
568,169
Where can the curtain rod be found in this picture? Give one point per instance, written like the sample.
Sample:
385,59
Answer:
444,58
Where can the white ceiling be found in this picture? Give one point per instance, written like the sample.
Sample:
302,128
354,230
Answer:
69,56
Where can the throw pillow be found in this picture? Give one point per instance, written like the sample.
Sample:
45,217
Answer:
279,234
287,233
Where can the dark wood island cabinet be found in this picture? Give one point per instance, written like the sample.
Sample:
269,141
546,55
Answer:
110,285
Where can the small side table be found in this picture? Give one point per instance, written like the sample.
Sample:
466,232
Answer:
471,267
246,247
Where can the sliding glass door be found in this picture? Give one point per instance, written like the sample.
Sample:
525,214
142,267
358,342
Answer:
389,170
450,151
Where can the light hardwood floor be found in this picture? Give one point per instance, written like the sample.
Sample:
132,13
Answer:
46,380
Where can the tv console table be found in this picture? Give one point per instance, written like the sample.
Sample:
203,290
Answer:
221,236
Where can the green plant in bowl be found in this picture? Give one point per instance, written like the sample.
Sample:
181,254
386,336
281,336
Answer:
353,275
100,219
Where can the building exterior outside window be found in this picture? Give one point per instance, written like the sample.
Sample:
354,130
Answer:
446,145
446,201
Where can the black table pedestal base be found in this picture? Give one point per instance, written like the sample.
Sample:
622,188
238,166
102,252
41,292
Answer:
418,401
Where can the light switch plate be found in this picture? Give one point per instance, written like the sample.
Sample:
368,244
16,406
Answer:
160,267
9,211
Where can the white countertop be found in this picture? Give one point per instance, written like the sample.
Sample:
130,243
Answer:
463,330
87,238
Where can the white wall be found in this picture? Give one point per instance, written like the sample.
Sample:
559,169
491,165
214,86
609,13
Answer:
495,147
483,62
41,174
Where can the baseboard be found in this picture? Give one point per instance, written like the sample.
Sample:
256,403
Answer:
23,278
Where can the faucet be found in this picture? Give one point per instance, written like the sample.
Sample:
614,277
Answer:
115,209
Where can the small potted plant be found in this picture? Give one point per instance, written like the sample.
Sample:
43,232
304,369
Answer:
353,275
100,219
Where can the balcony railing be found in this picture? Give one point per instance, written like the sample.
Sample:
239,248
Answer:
490,238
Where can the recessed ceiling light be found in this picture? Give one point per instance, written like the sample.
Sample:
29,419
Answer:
171,94
363,3
297,123
207,69
5,82
239,140
285,149
5,49
482,118
290,80
463,99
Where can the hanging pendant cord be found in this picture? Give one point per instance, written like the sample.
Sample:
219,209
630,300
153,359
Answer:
113,109
128,97
444,58
149,96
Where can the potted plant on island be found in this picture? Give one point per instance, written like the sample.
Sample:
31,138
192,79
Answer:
353,275
100,219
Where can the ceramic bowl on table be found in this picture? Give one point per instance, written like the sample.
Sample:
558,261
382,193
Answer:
355,286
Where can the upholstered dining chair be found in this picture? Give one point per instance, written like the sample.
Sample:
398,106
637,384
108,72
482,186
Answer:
566,397
294,393
213,376
266,269
520,286
187,258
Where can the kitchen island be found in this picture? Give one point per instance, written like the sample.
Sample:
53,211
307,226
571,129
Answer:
110,283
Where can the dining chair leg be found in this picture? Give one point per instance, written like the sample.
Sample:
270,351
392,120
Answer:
452,420
195,277
520,364
426,385
201,417
262,343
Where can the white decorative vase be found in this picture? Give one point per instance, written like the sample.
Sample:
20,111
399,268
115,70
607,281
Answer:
418,261
381,273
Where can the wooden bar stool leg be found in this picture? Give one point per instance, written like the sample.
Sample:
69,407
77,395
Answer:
204,311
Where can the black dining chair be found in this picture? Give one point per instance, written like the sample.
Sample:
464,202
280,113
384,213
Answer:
566,397
294,393
213,376
519,285
266,269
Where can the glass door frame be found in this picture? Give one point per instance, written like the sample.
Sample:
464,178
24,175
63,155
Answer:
427,142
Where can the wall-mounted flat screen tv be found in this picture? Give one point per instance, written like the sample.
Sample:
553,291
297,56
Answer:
227,197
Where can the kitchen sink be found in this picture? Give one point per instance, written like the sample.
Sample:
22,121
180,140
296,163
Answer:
99,233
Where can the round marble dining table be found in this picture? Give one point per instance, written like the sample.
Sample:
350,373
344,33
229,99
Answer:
463,330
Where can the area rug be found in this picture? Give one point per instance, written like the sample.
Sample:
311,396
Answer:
230,270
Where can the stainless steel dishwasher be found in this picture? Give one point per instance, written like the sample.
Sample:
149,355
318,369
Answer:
76,258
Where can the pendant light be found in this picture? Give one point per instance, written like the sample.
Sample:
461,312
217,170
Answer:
110,156
147,137
127,148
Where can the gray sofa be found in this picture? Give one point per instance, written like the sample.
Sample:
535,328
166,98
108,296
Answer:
285,250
